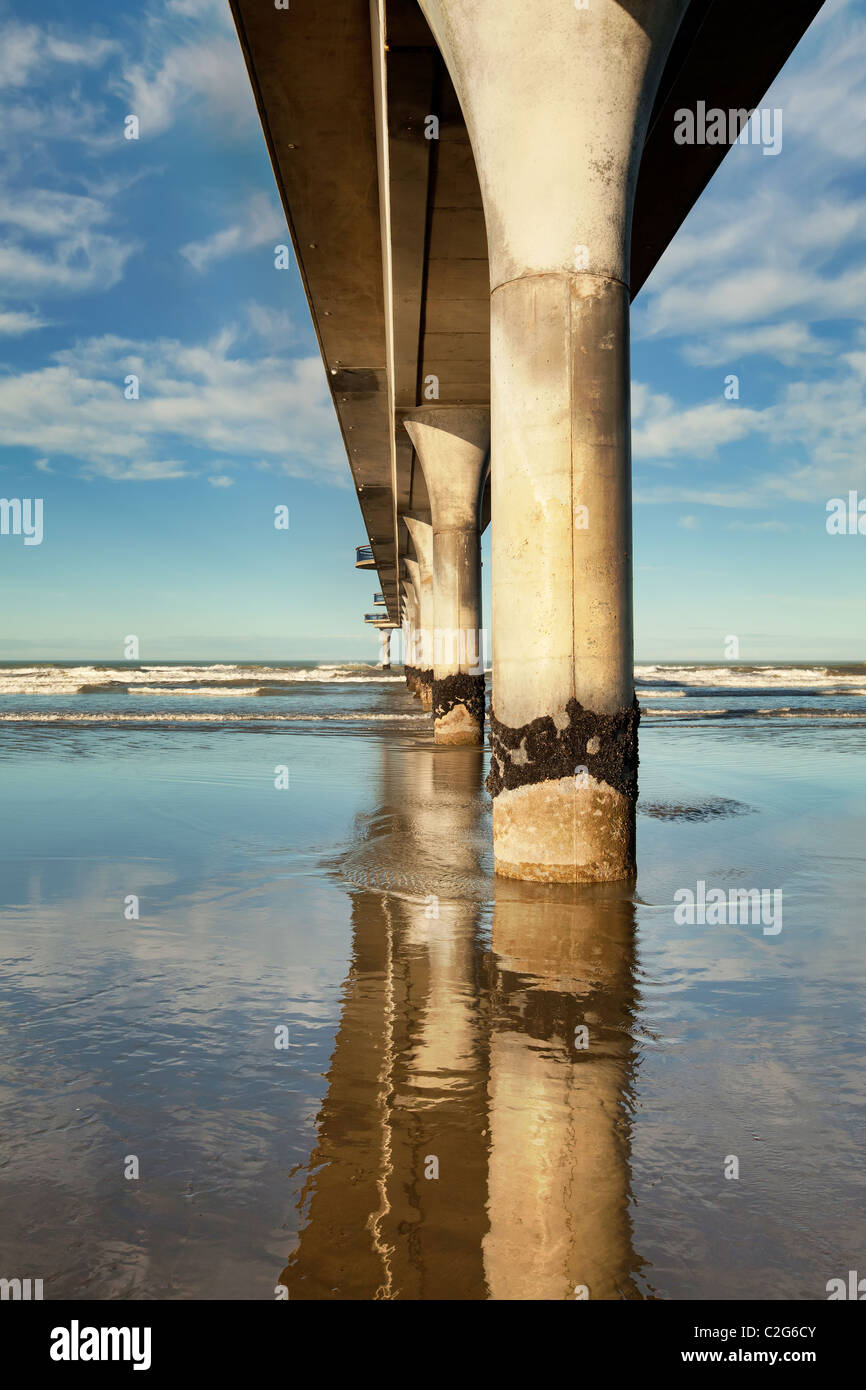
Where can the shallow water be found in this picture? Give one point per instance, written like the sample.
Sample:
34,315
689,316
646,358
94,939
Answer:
433,1013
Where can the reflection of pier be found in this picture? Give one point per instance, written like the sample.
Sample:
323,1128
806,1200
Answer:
558,1175
463,1052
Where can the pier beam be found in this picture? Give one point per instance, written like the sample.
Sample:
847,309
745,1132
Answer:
422,538
453,446
556,101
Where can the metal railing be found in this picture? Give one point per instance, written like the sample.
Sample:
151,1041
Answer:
364,557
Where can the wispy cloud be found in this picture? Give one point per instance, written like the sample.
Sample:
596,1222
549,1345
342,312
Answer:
260,223
789,342
663,430
817,427
190,55
14,322
200,408
273,326
53,245
776,247
27,49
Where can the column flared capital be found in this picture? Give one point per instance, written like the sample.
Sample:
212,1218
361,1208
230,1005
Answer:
557,100
422,539
453,446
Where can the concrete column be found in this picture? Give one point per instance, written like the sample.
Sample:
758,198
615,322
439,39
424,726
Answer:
410,620
453,444
556,101
385,648
414,571
422,538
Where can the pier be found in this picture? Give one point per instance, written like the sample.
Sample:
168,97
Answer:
475,193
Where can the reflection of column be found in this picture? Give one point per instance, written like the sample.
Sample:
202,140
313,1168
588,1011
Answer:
407,1081
452,444
422,538
468,1056
557,101
559,1137
441,816
341,1253
441,1075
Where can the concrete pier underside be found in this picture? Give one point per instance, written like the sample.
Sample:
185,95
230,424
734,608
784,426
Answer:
474,194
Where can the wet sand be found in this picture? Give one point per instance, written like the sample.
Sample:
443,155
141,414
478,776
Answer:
434,1020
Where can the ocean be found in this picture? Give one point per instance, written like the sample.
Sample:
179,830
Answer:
271,1027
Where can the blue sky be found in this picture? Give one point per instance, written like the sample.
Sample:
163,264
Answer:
155,257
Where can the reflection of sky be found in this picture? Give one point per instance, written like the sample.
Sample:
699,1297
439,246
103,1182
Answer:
156,1037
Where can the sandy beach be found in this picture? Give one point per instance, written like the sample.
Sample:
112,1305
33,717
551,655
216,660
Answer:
351,1062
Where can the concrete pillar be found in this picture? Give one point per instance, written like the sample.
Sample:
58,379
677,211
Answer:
410,621
556,101
422,538
414,571
453,444
385,648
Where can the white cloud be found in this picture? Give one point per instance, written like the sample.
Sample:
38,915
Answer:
750,294
823,419
695,495
45,213
662,430
85,262
26,50
260,223
789,342
13,323
200,407
782,241
41,103
206,69
773,253
74,255
271,325
825,101
215,10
